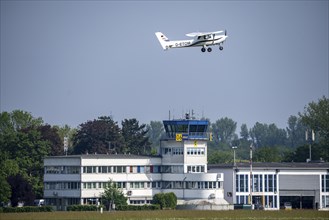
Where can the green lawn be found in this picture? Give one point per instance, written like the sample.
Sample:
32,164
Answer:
171,215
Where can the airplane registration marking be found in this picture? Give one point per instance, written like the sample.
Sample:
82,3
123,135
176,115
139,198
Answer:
182,44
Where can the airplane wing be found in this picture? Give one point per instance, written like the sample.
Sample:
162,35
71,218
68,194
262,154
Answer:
194,34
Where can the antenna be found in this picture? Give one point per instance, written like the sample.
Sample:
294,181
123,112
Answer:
66,145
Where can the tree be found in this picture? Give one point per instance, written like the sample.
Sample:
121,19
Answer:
224,130
23,148
244,133
17,120
267,135
316,117
22,190
99,136
50,134
295,131
112,195
267,154
135,137
220,157
155,132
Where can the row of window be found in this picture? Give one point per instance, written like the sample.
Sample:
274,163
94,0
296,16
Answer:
62,169
134,185
196,151
269,182
190,185
62,185
180,151
124,169
270,201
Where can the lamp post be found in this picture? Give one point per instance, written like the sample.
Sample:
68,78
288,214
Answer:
184,188
234,147
310,139
251,182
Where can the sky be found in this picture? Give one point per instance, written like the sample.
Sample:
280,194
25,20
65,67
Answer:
73,61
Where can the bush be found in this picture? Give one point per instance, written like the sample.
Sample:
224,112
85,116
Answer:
27,209
82,208
165,200
137,207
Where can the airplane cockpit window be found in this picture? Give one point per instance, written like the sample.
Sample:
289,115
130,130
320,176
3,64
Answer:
206,36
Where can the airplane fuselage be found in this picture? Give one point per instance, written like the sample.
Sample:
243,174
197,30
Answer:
199,40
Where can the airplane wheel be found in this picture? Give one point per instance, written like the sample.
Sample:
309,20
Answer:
203,49
221,48
209,49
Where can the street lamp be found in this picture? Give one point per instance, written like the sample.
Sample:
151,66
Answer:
234,147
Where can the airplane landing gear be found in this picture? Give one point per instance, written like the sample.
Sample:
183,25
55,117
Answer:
203,49
221,47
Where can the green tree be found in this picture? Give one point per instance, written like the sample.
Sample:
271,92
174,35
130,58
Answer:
267,154
267,135
22,190
22,148
244,133
51,135
113,195
155,133
135,137
224,130
220,157
316,117
295,131
98,136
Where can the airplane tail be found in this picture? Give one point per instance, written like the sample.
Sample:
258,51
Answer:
163,40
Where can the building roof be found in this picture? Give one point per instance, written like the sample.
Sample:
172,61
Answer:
271,165
105,156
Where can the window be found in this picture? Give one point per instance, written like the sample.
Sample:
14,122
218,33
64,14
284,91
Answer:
325,202
242,183
195,169
53,169
271,201
325,183
166,151
89,169
270,182
178,151
257,183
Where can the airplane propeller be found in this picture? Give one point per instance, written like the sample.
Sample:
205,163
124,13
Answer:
225,32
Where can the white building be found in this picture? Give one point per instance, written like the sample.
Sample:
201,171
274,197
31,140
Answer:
181,167
304,185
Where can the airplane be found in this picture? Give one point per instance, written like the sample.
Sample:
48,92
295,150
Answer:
200,39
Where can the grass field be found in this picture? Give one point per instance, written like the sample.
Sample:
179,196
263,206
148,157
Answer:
171,215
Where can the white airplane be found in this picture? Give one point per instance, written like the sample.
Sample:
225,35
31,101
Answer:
200,39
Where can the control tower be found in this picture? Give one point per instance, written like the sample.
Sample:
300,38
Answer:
185,144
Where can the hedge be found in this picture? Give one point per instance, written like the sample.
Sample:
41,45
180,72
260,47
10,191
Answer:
137,207
165,200
27,209
83,208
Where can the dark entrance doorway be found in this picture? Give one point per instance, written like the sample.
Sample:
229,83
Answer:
298,202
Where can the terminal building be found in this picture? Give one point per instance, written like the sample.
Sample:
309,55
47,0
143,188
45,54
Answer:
303,185
181,167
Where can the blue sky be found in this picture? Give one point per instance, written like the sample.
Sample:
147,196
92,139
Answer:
72,61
